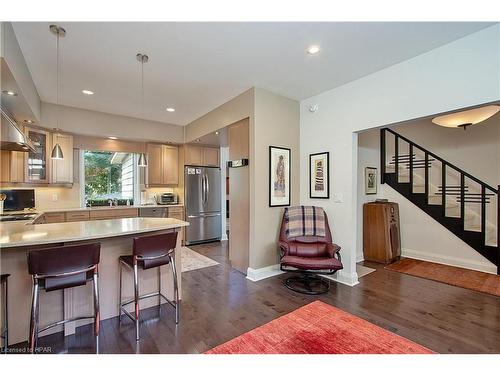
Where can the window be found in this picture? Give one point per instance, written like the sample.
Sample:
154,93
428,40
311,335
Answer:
109,175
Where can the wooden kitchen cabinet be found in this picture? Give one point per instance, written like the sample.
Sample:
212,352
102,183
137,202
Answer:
203,156
163,165
77,216
170,165
62,170
54,217
210,156
12,164
37,162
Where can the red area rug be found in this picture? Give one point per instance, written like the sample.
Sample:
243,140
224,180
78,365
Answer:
319,328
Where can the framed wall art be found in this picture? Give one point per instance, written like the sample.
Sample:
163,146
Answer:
279,176
370,180
319,175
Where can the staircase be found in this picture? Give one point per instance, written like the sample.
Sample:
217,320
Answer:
466,206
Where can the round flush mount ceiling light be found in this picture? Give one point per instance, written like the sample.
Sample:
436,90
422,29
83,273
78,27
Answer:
111,137
170,109
8,92
466,118
87,92
313,50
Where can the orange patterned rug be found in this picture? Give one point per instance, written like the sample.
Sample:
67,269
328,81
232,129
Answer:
461,277
319,328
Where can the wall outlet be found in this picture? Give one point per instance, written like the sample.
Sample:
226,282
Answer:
338,198
54,197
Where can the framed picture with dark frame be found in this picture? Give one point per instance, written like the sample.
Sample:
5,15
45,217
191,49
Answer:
279,176
319,175
370,180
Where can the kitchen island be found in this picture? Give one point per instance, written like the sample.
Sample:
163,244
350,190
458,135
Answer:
116,238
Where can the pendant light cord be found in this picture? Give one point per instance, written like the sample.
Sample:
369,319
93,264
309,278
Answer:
57,79
142,86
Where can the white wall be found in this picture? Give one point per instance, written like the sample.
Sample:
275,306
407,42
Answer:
463,73
421,236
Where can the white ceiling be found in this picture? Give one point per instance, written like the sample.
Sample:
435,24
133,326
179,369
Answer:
195,67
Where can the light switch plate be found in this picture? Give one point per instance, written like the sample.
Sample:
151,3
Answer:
338,198
54,197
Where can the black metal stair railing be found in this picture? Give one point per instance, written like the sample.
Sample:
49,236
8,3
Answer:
461,192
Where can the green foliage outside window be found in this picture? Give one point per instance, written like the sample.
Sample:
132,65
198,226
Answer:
103,180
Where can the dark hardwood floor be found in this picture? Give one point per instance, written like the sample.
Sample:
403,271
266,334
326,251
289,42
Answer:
219,304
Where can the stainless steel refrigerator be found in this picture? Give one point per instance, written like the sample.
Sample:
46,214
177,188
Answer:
203,204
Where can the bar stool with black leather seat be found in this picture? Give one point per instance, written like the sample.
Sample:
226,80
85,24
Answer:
151,251
5,326
59,268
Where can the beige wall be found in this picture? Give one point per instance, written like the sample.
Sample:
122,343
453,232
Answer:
99,124
48,198
228,113
276,123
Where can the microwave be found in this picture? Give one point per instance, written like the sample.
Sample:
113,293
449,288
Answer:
168,198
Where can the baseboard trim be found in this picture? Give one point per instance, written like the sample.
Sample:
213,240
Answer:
342,277
256,274
360,258
450,261
224,237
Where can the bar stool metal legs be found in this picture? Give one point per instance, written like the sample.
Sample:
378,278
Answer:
5,326
35,308
136,316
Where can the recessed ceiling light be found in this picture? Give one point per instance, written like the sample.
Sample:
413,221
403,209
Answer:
197,140
216,133
111,137
87,92
29,121
8,92
313,50
170,109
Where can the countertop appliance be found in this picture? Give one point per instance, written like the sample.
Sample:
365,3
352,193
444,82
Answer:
203,204
18,199
17,217
167,198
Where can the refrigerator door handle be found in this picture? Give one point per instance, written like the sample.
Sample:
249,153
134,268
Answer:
203,215
203,194
208,186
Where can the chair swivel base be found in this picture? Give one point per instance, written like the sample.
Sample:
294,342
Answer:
308,284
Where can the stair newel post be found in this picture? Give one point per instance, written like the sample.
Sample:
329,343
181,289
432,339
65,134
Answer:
411,167
498,230
426,174
462,199
396,156
382,155
443,188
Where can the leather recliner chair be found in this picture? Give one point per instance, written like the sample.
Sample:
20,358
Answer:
310,256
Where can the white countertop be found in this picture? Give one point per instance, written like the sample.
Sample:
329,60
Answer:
17,234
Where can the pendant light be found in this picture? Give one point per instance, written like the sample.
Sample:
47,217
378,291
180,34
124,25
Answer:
142,58
59,32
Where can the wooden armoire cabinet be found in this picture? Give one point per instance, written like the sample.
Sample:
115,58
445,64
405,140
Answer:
381,233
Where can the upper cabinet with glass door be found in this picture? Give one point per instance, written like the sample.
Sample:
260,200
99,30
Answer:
37,165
